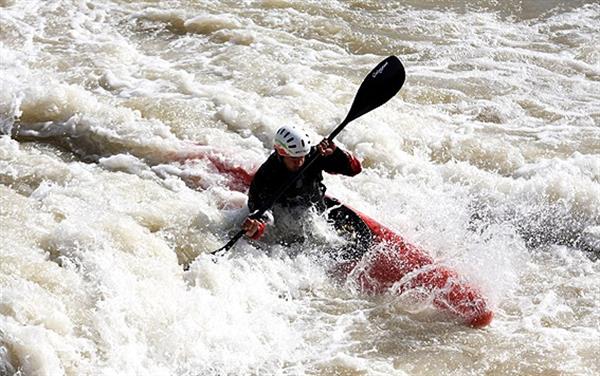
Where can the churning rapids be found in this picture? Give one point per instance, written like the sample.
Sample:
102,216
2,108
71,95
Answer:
488,158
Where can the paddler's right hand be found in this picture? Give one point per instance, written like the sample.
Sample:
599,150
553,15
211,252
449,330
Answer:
254,228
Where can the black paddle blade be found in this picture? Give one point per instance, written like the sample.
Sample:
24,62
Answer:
380,85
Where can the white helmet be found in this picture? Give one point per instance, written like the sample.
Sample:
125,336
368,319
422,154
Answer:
290,141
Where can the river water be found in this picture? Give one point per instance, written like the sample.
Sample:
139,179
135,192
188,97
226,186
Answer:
488,158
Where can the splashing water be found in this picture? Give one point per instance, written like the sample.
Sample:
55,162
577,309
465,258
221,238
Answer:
114,118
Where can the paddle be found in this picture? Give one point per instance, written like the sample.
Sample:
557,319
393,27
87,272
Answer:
380,85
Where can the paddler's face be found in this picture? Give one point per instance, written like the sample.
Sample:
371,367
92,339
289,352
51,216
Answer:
293,164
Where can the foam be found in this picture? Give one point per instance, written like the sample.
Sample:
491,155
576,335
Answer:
115,116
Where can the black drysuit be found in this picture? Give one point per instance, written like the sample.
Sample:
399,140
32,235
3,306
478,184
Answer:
309,192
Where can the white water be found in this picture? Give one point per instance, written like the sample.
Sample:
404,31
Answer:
489,158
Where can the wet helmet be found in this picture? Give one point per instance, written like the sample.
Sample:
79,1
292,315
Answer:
291,141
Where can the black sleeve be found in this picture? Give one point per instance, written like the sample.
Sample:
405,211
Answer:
341,162
262,187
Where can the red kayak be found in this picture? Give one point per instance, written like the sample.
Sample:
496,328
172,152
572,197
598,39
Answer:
403,266
394,264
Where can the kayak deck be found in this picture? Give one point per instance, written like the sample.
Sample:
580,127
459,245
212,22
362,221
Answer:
402,266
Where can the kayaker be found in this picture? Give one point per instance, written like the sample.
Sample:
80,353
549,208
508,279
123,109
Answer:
292,148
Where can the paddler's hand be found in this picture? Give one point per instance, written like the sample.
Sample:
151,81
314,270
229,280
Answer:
254,228
326,147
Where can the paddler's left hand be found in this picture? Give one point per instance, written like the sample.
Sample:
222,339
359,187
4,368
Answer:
326,147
